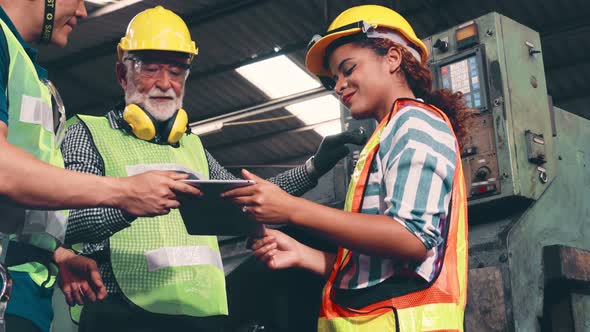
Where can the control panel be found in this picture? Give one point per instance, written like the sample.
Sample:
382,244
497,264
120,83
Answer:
495,63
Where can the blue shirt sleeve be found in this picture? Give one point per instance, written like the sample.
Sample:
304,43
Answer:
4,62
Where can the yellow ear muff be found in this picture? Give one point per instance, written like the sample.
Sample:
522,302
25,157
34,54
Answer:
178,128
142,126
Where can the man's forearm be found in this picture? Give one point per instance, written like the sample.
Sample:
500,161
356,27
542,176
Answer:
94,225
91,225
27,181
295,181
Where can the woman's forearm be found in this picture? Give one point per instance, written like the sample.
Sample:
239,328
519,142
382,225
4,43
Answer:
369,234
317,261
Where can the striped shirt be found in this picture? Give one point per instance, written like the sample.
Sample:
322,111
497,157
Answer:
410,181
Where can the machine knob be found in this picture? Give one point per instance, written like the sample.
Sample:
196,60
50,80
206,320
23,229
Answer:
441,45
482,173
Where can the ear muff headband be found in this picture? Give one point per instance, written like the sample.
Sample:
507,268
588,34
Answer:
140,122
175,127
143,126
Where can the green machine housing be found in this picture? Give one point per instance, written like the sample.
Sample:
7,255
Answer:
497,64
526,168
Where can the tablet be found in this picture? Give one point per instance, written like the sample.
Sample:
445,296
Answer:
213,215
209,187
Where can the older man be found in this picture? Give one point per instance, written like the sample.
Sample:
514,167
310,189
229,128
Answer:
187,289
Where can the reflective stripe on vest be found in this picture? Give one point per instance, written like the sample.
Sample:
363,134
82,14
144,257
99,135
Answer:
439,307
156,263
428,317
31,128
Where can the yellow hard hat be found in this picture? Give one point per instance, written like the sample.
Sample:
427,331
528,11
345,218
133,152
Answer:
157,29
350,22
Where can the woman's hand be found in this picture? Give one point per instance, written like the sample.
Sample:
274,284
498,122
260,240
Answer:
277,250
264,201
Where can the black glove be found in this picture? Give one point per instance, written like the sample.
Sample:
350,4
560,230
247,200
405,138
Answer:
332,149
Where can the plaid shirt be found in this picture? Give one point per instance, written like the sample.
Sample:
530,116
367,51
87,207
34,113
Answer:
93,227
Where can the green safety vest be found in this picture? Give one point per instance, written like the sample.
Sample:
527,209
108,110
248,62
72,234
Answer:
31,128
157,264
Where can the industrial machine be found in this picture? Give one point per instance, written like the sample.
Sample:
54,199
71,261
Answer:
526,167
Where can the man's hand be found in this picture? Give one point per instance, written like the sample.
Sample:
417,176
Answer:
333,148
78,278
153,193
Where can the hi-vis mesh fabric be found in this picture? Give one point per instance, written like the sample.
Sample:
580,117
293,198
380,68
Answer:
439,307
157,264
31,128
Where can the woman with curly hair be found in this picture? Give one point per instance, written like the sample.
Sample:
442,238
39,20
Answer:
402,261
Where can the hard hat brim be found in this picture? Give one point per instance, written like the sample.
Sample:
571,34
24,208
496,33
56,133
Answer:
314,60
316,54
190,53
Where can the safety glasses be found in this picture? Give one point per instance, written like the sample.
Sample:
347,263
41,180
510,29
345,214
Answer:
151,69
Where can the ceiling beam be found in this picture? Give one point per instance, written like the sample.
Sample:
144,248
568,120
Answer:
110,8
573,25
552,69
268,136
264,107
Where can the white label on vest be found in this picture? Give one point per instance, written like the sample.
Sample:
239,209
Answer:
39,222
182,256
142,168
34,110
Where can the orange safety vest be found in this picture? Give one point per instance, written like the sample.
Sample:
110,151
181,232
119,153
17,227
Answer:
438,307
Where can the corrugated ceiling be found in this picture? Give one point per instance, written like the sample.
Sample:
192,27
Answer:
231,33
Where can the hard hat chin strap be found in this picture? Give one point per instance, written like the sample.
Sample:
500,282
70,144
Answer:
48,20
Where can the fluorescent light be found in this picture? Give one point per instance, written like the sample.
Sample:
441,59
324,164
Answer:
318,110
329,128
279,77
109,6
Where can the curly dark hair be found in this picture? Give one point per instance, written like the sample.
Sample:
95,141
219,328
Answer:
419,79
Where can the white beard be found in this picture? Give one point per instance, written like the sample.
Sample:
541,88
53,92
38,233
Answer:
161,111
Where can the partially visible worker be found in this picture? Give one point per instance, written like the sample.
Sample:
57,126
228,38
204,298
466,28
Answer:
157,275
32,174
